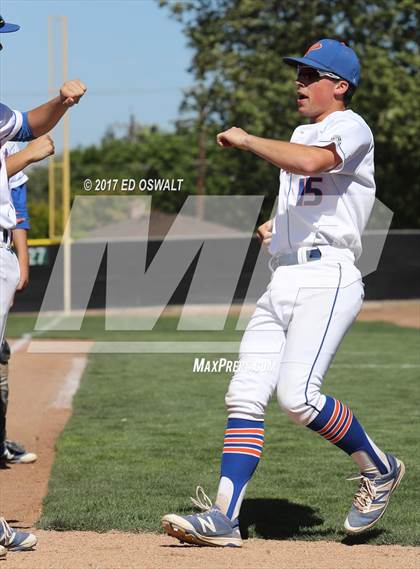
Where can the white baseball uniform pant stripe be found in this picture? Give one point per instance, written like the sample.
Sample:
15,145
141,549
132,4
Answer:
9,278
298,324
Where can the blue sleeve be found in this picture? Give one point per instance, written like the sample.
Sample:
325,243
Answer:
19,201
25,133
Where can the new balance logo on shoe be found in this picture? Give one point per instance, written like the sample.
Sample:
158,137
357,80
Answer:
207,524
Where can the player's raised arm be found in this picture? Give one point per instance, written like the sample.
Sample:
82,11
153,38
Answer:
295,158
42,119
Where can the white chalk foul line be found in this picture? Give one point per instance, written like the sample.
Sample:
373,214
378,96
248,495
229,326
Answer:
25,339
71,384
72,381
21,343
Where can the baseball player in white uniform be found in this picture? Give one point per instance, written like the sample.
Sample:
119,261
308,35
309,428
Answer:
10,451
15,125
30,126
326,195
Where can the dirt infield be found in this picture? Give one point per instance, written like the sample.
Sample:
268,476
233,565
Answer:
88,550
41,390
37,385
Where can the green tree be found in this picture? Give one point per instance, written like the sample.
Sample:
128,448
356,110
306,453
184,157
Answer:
241,80
142,153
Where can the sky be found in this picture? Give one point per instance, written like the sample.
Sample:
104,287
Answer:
130,53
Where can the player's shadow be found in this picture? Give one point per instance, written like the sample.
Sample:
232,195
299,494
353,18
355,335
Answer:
362,538
278,519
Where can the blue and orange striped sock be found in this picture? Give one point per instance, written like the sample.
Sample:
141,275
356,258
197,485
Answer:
337,424
242,448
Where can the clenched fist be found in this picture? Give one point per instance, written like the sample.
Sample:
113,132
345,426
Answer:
71,92
236,137
40,148
265,232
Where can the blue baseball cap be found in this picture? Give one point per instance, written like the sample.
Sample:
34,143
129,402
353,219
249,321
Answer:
6,28
333,56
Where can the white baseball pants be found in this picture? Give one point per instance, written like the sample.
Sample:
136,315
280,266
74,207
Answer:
9,278
297,326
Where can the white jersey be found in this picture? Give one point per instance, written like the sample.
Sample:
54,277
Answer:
10,124
329,208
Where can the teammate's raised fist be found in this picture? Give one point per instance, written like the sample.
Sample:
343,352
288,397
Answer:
71,92
35,151
40,148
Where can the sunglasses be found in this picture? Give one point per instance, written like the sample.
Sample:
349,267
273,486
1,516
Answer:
312,74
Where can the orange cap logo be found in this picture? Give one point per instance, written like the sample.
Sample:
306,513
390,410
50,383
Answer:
314,47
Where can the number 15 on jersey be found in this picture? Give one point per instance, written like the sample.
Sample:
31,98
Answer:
309,194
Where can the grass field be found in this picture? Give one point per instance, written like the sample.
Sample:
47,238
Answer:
146,430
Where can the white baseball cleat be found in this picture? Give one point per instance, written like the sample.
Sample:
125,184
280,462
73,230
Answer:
17,454
372,497
3,551
14,540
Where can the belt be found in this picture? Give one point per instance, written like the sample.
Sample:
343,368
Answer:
5,237
294,258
